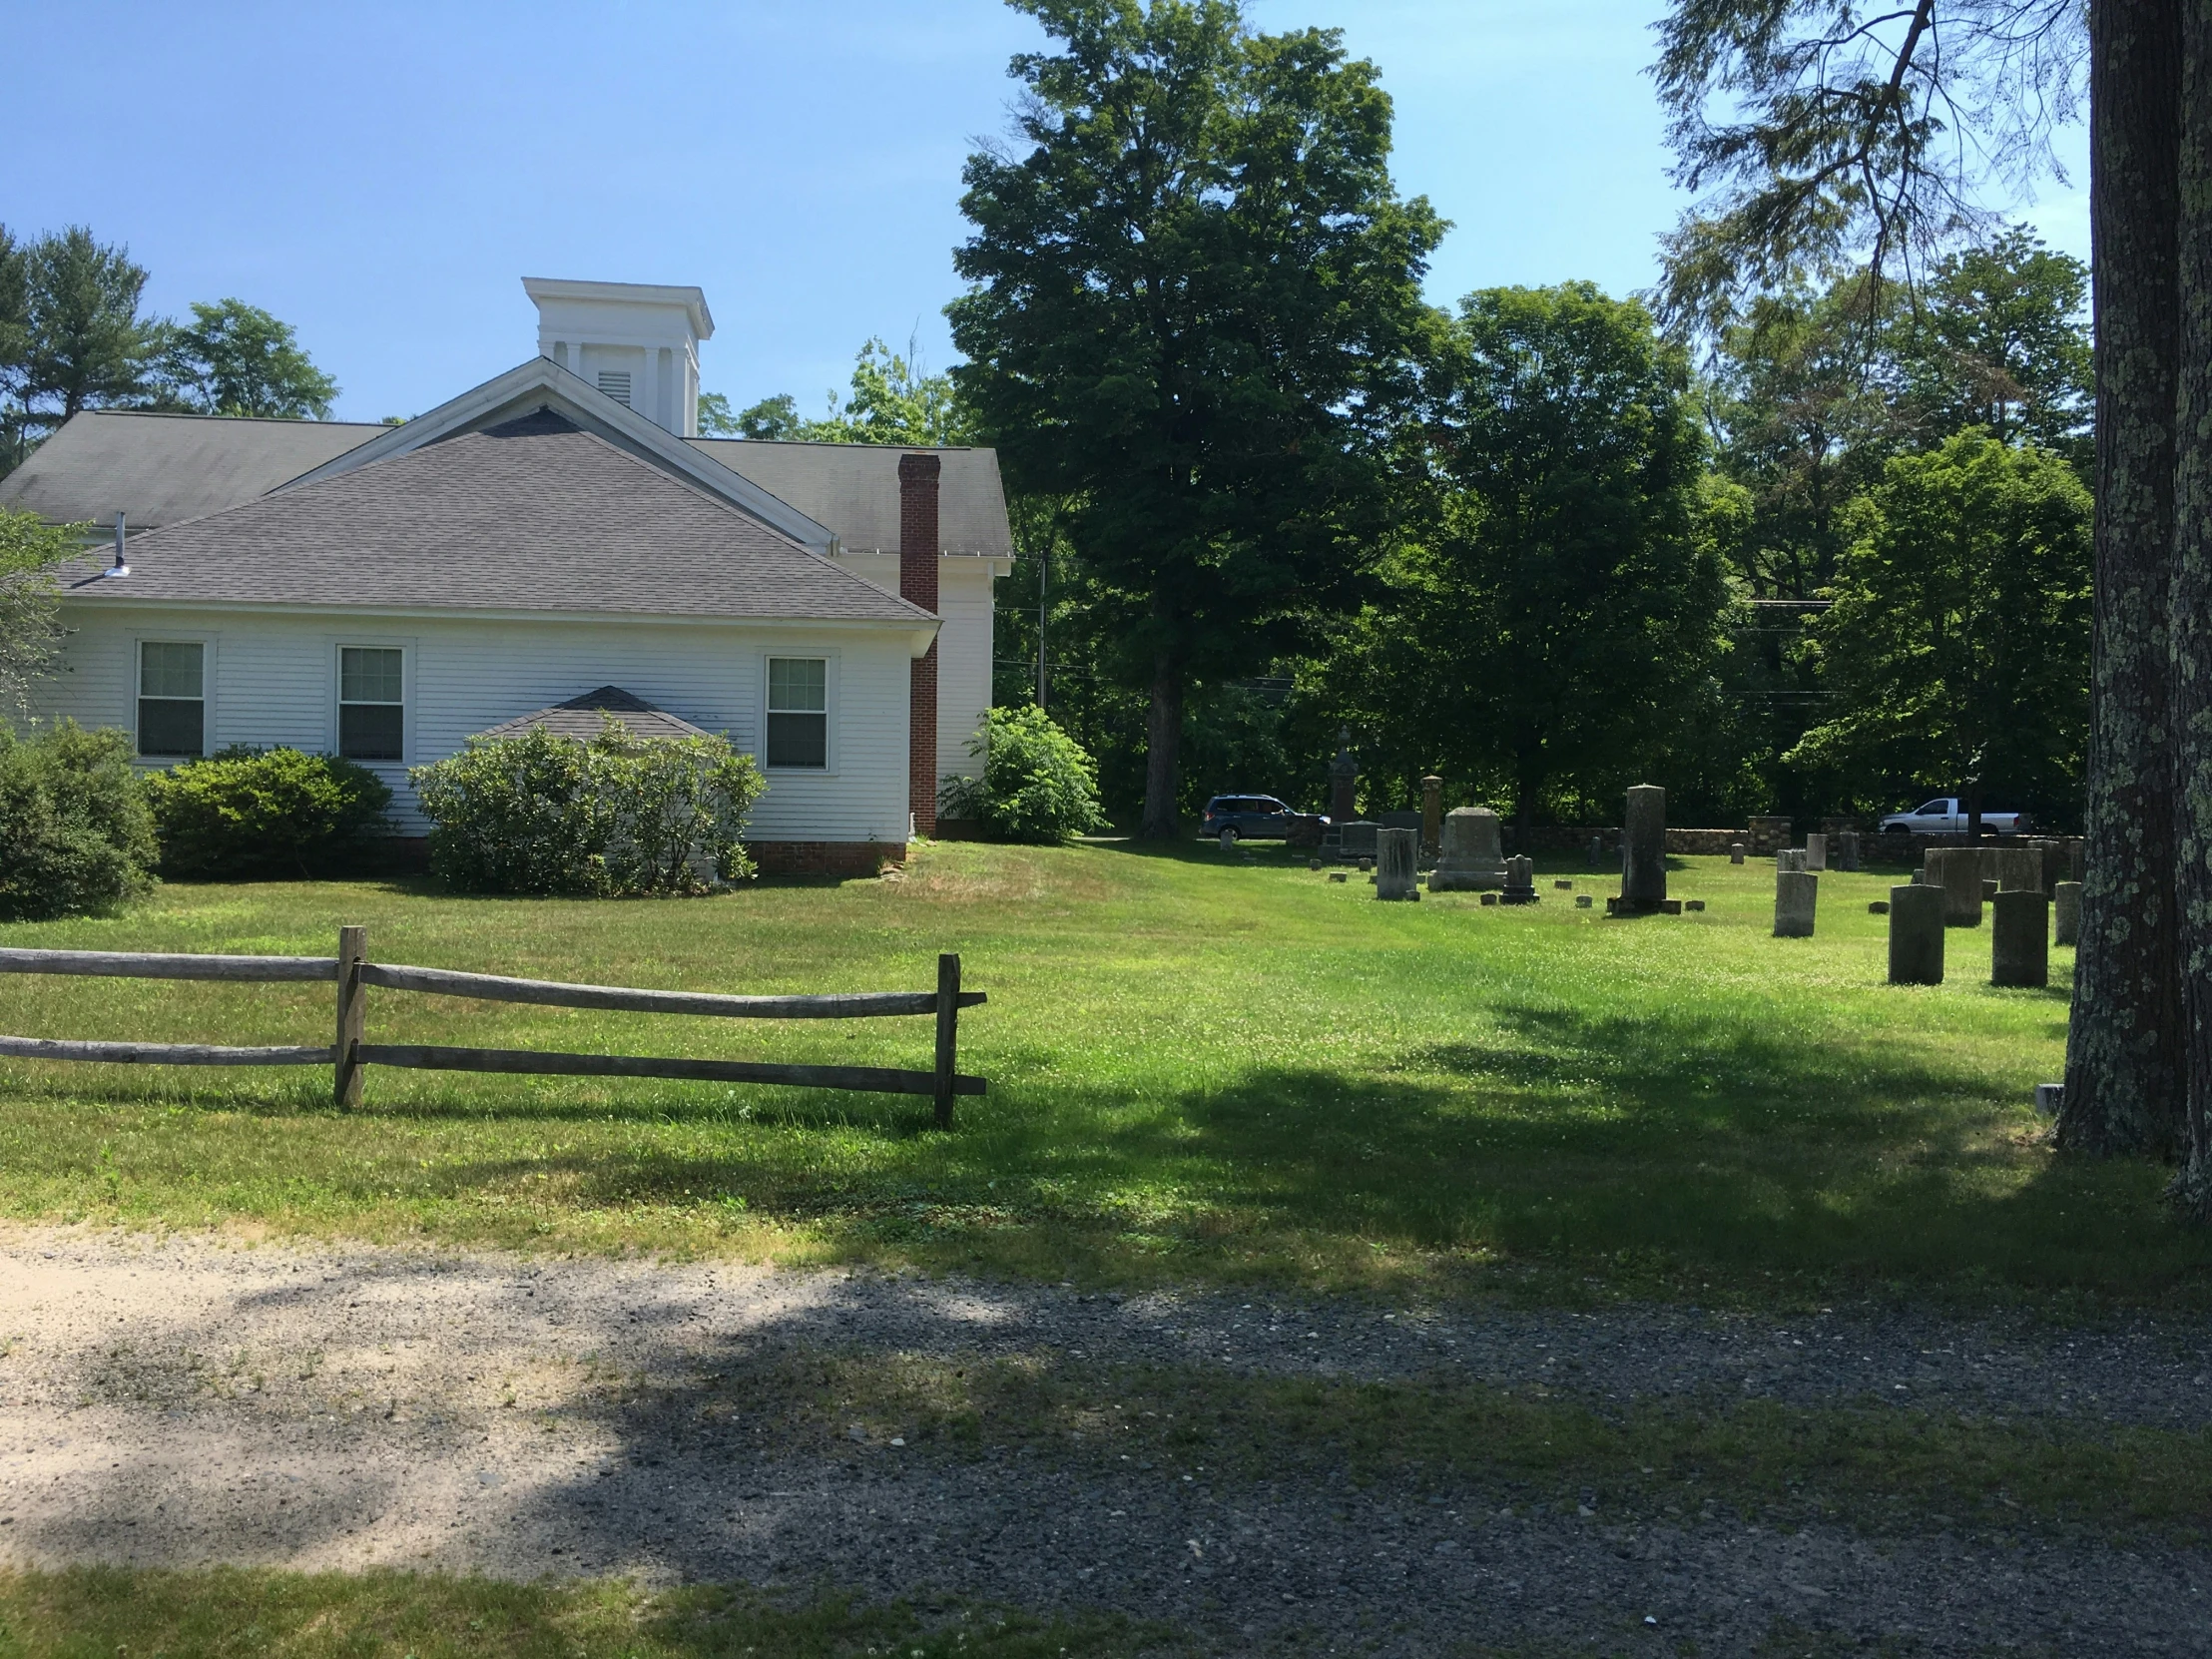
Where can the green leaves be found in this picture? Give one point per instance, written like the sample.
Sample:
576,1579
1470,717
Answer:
236,360
1960,636
263,812
615,816
75,833
1037,783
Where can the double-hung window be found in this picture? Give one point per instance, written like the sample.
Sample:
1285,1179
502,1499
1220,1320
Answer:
173,698
373,702
798,711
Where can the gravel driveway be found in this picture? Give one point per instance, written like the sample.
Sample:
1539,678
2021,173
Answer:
181,1402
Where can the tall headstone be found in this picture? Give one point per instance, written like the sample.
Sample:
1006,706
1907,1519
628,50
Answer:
1796,893
1815,853
1598,851
1791,858
1397,865
2067,913
1847,850
2053,853
2019,938
1358,838
1472,859
1736,853
1520,881
1915,935
1431,815
1957,872
1643,852
1344,780
2078,860
2019,870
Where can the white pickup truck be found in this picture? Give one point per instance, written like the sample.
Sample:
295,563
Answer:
1946,816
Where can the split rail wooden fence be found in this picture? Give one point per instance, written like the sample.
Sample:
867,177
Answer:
351,1054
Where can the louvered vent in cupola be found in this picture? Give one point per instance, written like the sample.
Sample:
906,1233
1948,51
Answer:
615,383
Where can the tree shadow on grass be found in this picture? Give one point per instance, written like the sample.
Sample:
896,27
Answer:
1667,1146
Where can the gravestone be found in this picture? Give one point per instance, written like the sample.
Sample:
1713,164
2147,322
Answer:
1583,902
1431,815
1878,908
1693,904
1736,853
2066,911
1489,898
2078,858
2019,938
1520,881
1643,853
1847,850
1957,872
1791,858
1471,861
1795,894
1598,851
1358,838
1915,935
1398,864
1815,852
2021,869
1988,889
2053,853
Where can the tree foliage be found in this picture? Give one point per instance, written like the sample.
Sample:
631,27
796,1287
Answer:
75,833
615,816
245,813
1563,604
1959,641
891,401
30,604
1828,135
236,360
1194,316
1037,783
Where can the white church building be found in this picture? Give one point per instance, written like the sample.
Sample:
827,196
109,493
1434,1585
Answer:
559,535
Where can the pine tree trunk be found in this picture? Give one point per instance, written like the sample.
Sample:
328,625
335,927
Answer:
2124,1054
2192,608
1163,747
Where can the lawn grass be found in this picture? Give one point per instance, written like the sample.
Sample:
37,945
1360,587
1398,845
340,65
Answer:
233,1613
1201,1068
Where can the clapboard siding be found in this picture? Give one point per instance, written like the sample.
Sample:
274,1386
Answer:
964,591
273,681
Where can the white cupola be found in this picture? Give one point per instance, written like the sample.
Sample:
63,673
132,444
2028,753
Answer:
636,341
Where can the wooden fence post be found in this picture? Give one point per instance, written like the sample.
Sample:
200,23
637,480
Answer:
352,947
948,1031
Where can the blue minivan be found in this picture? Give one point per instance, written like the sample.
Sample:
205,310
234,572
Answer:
1249,818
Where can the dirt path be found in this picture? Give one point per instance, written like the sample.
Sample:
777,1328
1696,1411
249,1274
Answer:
183,1401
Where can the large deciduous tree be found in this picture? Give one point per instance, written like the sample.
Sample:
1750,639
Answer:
236,360
1561,604
1958,640
30,604
1195,316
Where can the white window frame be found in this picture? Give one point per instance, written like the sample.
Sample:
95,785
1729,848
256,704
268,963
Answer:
828,661
206,642
405,648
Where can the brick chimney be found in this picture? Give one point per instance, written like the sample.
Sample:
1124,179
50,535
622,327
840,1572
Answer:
917,585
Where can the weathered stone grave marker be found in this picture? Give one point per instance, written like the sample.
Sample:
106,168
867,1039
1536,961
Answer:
1520,881
1397,865
1815,852
1915,935
1471,861
1643,856
2066,911
1796,896
2019,938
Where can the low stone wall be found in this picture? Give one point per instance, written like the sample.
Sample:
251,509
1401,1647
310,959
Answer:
825,857
1563,838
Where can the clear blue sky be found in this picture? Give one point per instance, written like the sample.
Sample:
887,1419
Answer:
383,175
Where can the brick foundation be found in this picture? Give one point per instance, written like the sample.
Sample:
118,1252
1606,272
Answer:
825,857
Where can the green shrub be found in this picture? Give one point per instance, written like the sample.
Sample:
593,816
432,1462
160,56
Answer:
75,833
1037,783
615,816
267,812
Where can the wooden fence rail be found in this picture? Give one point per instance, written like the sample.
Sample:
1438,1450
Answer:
352,1053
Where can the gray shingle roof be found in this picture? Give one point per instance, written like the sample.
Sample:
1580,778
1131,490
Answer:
164,468
579,717
531,515
852,488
